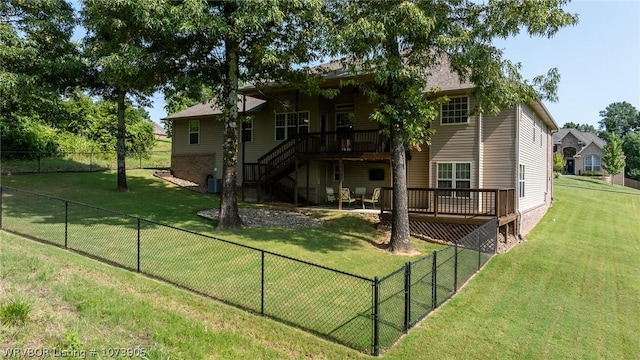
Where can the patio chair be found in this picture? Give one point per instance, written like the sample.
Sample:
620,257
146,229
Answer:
359,194
331,196
346,196
375,197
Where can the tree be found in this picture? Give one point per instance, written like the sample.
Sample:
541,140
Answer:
631,148
128,44
38,64
580,127
399,55
619,118
247,41
558,162
613,160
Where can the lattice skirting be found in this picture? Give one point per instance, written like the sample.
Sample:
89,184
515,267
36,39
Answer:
440,232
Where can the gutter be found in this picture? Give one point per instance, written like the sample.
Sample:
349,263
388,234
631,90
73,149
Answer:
517,178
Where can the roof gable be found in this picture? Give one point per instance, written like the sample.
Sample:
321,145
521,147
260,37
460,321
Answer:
210,108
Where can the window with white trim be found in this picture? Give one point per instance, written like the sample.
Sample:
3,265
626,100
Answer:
455,111
336,172
247,131
521,181
454,176
592,163
194,132
290,124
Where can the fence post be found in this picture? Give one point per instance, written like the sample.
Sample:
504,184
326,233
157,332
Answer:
407,296
479,252
262,285
39,157
434,281
455,267
376,316
138,244
66,223
91,161
140,157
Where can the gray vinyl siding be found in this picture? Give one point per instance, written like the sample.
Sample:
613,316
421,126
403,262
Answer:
455,143
499,150
418,168
533,155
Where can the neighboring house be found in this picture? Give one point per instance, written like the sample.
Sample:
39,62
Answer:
583,152
159,131
296,146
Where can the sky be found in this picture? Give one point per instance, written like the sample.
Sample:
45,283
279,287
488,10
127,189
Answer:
598,61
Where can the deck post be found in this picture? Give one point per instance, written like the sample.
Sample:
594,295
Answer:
435,203
295,183
341,172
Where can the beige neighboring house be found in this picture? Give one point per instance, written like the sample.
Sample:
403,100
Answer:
583,152
159,131
296,147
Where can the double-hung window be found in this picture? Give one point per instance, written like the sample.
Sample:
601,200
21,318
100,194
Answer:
454,176
194,132
455,111
290,124
592,163
247,131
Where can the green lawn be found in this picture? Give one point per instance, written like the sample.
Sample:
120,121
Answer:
571,291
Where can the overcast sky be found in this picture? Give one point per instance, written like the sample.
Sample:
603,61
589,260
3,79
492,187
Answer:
598,60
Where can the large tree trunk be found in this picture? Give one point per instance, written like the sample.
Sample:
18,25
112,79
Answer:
400,239
400,235
120,144
229,217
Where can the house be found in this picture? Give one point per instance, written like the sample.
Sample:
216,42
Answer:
295,146
583,153
159,132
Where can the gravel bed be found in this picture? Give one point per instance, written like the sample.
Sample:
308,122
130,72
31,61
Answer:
260,218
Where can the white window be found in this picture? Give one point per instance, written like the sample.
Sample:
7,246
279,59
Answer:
454,176
521,181
455,111
247,131
194,132
592,163
290,124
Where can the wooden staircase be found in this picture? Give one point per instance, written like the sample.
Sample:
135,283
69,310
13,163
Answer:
272,172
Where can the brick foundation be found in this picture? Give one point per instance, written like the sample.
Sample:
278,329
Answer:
194,167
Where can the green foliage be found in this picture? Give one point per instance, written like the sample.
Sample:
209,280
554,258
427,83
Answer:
619,118
558,162
631,148
613,161
580,127
16,312
592,173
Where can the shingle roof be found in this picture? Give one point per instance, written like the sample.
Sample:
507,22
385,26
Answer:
210,108
159,130
585,137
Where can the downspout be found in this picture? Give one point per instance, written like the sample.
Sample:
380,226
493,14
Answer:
517,178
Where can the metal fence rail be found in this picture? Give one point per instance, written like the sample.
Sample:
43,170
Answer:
42,162
365,314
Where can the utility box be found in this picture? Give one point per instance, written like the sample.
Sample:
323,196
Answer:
214,185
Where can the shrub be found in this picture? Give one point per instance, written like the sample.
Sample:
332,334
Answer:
16,312
592,173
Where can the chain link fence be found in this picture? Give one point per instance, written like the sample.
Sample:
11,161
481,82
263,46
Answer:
365,314
42,162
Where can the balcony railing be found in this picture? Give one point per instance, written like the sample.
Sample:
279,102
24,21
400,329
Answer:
465,202
338,143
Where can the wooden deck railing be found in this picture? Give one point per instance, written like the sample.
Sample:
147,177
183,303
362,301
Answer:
331,142
467,202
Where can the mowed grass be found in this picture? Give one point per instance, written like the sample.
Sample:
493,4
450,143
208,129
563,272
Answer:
571,291
346,241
